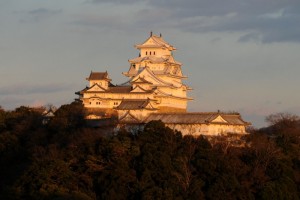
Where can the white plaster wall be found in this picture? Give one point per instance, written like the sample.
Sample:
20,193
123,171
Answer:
102,83
207,129
171,102
158,52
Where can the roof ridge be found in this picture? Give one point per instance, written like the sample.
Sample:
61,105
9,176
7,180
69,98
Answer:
194,113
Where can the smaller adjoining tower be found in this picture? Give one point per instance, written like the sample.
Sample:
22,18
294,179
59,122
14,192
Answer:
100,79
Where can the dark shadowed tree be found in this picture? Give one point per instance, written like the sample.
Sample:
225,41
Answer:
68,117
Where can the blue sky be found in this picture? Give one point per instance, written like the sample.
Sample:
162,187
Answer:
239,55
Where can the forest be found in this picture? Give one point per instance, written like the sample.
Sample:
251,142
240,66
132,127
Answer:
65,159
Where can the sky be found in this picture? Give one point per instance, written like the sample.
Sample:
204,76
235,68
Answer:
239,55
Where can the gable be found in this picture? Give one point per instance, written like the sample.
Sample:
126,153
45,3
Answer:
128,118
150,77
150,106
139,89
219,119
150,41
96,88
140,80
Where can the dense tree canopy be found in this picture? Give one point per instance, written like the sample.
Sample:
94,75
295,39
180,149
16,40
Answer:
64,159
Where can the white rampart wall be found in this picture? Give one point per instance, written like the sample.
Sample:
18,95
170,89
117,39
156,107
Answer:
207,129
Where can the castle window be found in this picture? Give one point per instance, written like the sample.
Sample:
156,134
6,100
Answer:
153,52
150,53
146,53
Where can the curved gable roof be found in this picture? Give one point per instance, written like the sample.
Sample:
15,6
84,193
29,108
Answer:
155,41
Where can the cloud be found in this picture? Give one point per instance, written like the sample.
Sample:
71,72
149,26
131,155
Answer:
28,89
264,21
44,11
114,1
102,21
32,95
36,15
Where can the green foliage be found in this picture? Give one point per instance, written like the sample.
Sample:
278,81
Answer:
67,160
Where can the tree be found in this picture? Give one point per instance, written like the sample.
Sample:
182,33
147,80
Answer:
68,117
283,120
2,119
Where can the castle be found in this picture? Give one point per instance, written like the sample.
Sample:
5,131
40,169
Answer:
154,91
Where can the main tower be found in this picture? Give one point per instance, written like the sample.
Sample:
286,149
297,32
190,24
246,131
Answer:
157,66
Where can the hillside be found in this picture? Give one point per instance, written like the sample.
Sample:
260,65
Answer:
64,159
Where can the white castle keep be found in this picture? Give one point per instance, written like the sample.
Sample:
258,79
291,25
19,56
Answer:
154,91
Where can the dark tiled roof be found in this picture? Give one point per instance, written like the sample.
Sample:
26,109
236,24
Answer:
98,76
120,89
134,104
195,118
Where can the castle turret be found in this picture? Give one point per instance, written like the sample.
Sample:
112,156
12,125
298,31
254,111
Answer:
100,78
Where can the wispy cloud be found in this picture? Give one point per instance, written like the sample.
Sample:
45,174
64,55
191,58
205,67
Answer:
27,89
114,1
99,20
265,21
44,11
36,15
